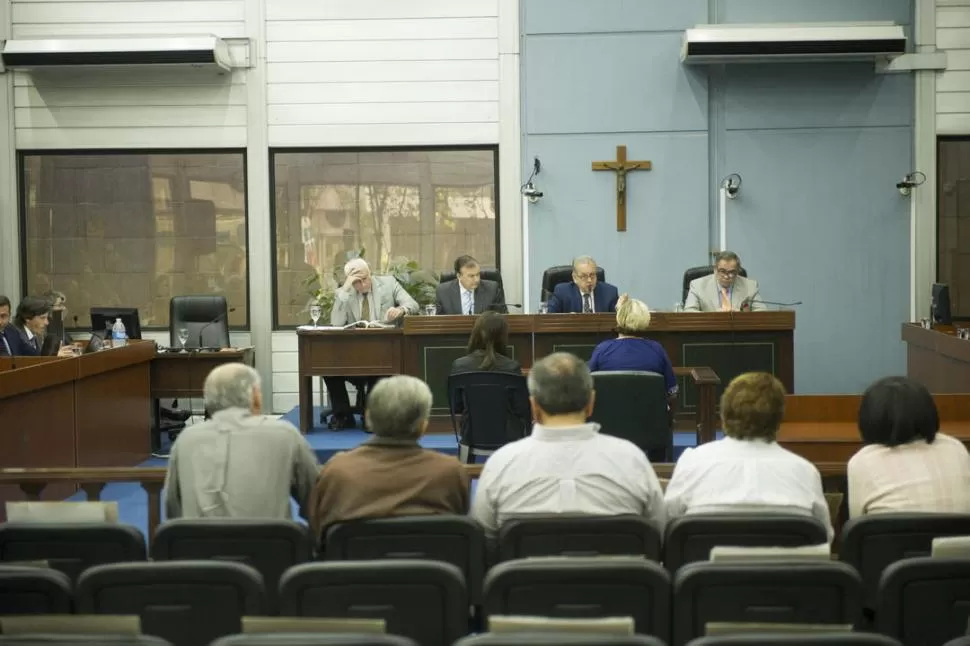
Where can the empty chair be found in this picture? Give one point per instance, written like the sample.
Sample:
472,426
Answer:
871,543
557,639
313,639
424,600
81,640
34,591
577,587
562,274
206,318
269,546
579,536
792,592
493,408
798,639
188,603
73,547
690,538
924,600
633,405
450,539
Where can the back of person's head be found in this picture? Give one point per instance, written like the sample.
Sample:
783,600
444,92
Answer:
399,407
561,384
897,410
31,307
232,385
632,317
753,406
490,335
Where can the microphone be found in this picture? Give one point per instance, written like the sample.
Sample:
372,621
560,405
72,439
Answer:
218,318
746,303
75,320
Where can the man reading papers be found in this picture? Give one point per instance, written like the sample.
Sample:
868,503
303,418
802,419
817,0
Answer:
363,297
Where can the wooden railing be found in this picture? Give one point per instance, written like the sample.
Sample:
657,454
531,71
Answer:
32,482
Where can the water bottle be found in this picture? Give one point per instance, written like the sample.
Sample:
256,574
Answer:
119,337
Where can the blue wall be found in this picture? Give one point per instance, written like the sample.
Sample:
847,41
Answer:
820,148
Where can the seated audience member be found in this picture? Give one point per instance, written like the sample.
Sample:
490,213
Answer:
630,350
363,297
5,350
468,293
390,474
566,467
488,347
724,290
584,294
747,472
239,463
906,464
25,335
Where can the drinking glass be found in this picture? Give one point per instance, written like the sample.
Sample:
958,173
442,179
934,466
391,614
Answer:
315,312
543,308
430,309
183,337
678,307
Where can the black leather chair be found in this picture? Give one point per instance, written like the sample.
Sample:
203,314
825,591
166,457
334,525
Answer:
871,543
798,639
488,410
268,546
34,591
82,640
694,273
579,536
633,405
558,639
450,539
487,274
791,592
188,603
314,639
924,600
71,548
423,600
577,587
690,538
205,317
562,274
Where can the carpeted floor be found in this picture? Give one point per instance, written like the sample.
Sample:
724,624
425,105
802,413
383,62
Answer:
133,501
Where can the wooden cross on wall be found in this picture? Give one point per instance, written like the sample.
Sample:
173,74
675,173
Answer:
621,167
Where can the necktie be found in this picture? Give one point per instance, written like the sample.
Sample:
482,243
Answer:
36,343
469,305
587,304
725,301
365,308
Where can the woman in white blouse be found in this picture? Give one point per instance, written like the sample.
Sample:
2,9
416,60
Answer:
906,464
747,471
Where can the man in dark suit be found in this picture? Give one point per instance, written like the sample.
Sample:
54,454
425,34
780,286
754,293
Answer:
468,293
585,294
4,319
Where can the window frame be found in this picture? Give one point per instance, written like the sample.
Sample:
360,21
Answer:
23,154
273,151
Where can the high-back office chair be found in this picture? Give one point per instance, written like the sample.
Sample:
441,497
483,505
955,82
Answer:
694,273
205,318
562,274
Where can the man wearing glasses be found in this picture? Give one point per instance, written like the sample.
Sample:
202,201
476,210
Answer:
585,294
724,290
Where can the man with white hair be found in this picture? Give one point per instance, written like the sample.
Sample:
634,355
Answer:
390,474
585,294
238,464
363,297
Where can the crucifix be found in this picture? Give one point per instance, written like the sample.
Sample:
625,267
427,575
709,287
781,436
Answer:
621,167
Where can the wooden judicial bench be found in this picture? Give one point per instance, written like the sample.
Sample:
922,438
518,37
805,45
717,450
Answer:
937,358
727,344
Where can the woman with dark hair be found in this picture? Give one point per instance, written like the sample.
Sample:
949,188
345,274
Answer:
906,464
25,334
487,347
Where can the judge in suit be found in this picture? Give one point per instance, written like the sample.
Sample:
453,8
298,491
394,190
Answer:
468,293
25,336
363,297
4,319
724,290
585,294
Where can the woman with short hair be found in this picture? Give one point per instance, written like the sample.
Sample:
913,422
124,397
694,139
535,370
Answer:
906,464
747,472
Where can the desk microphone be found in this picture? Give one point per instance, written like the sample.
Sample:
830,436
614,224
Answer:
746,303
218,318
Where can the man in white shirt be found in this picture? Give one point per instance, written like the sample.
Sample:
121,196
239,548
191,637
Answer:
566,467
747,471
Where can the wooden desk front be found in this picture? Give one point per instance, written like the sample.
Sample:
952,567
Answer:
937,358
182,374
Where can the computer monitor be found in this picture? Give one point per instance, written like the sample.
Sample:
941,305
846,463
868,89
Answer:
940,307
102,317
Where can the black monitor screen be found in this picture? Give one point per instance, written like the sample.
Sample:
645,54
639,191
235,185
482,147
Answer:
104,317
941,304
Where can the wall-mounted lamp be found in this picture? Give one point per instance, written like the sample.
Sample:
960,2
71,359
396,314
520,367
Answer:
910,181
529,189
731,185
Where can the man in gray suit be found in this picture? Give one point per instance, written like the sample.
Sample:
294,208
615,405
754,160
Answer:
468,293
724,290
363,297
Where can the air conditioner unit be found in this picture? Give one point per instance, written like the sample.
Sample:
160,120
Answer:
773,43
119,51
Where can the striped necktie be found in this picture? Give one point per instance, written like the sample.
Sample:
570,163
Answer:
469,305
587,304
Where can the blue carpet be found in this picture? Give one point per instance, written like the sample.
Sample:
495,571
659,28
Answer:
133,501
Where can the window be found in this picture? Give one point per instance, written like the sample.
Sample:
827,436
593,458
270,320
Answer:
953,222
428,206
134,229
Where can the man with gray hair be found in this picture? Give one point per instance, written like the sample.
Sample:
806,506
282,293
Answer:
238,464
390,474
585,294
724,289
566,467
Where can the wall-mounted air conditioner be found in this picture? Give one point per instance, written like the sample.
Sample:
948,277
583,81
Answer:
773,43
202,51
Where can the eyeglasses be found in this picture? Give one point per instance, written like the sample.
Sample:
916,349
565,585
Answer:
586,276
730,273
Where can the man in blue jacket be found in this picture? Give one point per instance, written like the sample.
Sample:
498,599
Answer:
585,294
